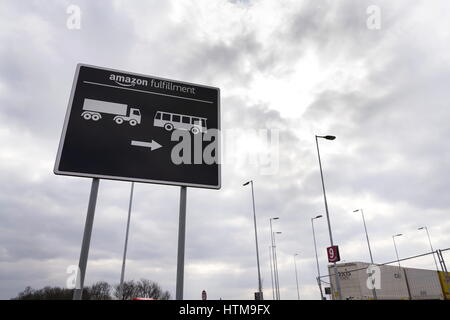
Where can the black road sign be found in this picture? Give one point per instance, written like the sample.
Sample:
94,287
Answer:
133,127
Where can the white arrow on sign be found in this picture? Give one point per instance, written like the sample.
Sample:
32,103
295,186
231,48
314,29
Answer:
152,145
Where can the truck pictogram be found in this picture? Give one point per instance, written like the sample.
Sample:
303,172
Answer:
93,110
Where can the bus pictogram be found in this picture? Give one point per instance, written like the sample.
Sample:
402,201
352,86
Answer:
171,121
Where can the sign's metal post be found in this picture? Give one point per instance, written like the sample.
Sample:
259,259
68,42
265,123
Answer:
126,242
181,244
78,292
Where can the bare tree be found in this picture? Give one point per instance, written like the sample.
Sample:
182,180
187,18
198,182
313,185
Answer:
100,291
147,289
142,289
129,290
46,293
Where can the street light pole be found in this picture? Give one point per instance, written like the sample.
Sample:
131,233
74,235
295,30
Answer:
338,284
317,258
256,240
431,246
368,244
271,271
296,276
367,235
395,247
275,270
277,283
122,274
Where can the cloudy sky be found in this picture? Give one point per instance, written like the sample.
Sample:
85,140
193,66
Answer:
291,69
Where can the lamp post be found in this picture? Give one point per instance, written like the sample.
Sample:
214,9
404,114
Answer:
277,283
367,235
256,240
122,274
431,246
368,245
296,276
275,270
395,247
271,271
317,258
338,285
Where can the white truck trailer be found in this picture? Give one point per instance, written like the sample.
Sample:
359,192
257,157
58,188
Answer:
93,110
396,283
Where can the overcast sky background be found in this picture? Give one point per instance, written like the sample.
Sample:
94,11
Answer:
299,67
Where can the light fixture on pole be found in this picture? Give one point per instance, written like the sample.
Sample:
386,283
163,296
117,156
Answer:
338,284
319,282
256,241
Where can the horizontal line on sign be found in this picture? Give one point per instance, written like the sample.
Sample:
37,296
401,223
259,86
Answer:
149,92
